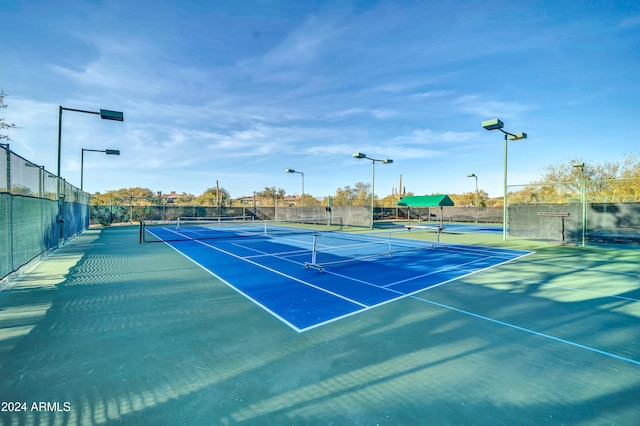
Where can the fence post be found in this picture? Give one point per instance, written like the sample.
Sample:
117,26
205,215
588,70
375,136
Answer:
8,159
10,205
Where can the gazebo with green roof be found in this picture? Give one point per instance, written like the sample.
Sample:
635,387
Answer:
440,200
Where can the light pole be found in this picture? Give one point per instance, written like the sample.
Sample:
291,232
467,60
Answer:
106,151
105,115
583,200
373,175
496,124
474,176
294,171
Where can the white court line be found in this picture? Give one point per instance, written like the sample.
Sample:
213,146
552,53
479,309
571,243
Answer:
282,274
438,271
275,314
401,295
265,254
281,255
526,330
463,264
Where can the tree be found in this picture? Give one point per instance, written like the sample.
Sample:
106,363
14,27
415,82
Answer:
310,200
343,196
186,198
137,196
271,193
359,195
3,124
608,181
389,200
494,202
362,194
468,199
210,197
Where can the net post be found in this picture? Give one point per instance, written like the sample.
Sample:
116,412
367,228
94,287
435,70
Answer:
314,255
141,232
314,250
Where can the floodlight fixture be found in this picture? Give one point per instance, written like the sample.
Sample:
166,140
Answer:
373,175
493,124
517,136
497,124
106,114
106,151
302,174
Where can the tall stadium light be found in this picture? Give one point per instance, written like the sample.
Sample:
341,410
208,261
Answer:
294,171
496,124
106,151
583,200
105,114
360,155
474,176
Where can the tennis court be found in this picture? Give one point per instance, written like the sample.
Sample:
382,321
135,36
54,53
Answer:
308,277
130,333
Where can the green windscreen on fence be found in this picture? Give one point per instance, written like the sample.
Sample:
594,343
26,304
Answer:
6,254
590,212
29,211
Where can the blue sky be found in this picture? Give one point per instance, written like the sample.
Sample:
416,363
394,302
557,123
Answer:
239,91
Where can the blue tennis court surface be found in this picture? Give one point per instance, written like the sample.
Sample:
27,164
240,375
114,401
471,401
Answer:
271,271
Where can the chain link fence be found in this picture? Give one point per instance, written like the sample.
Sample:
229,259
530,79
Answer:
589,211
31,219
594,212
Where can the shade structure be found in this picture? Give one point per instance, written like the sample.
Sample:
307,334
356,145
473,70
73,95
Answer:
440,200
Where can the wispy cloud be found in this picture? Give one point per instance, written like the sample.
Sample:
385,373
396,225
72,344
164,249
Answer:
417,144
431,94
480,106
302,46
430,137
629,22
377,113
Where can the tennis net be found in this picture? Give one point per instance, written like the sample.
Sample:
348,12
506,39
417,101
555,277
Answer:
206,228
340,248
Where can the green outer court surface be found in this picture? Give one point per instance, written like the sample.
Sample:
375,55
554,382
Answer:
109,331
